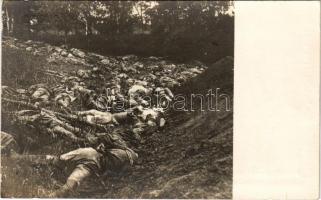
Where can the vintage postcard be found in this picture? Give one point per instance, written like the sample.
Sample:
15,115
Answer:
117,99
160,99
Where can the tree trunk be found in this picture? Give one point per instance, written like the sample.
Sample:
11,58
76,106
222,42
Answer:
142,18
88,31
8,21
65,38
12,24
86,27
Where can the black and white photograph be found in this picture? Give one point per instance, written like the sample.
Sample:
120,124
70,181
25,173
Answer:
117,99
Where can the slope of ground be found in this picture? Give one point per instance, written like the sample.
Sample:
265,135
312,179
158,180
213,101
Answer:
190,158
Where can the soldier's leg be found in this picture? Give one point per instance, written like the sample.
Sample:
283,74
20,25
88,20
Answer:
85,162
74,180
61,131
37,159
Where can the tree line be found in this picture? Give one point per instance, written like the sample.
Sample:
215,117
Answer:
182,30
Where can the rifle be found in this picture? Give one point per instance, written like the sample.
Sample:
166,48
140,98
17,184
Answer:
27,104
73,117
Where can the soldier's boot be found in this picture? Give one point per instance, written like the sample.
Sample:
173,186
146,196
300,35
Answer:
64,191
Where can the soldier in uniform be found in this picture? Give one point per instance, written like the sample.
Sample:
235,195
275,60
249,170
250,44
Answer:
108,151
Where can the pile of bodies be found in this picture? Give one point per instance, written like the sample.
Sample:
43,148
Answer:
106,107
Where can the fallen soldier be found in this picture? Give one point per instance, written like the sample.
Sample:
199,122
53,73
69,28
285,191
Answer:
83,73
39,94
109,152
95,117
90,99
64,99
163,96
138,90
147,120
47,122
154,113
9,92
18,103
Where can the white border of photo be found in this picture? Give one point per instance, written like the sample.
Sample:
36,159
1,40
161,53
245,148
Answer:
276,100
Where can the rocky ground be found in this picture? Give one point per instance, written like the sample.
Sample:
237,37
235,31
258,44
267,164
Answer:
191,157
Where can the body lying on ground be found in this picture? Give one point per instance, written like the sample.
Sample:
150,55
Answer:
97,117
108,152
39,94
45,121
